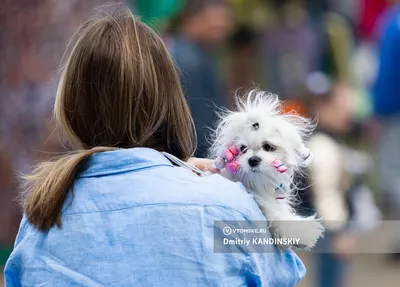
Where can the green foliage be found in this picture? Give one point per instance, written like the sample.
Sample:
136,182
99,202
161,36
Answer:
5,252
156,12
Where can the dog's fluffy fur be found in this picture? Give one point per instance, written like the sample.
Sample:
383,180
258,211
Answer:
279,136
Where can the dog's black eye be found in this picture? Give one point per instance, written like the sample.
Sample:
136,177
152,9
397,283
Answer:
243,148
269,147
256,126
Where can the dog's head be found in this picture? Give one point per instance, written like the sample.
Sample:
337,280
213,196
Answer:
262,134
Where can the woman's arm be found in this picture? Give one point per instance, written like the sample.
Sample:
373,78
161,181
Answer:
11,277
12,270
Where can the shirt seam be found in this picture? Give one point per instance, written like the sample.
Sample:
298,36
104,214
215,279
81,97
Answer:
246,217
124,169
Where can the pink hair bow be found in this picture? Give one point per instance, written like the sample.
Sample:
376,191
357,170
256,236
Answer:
228,161
279,165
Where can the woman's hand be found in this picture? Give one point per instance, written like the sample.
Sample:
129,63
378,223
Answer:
204,164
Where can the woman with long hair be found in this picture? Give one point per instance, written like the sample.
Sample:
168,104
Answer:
119,211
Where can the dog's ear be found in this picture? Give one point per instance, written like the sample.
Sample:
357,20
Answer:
295,130
226,131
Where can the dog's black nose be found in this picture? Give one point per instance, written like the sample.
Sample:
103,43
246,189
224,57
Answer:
254,161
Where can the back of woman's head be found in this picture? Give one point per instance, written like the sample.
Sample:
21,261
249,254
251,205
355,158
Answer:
119,89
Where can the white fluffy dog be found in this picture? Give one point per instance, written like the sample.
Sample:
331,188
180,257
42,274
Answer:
263,148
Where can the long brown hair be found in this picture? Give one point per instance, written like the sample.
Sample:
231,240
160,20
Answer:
119,89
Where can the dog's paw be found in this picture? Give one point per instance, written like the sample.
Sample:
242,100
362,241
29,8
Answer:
312,230
303,233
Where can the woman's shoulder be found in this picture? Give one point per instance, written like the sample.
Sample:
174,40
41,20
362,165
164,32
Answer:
160,185
215,190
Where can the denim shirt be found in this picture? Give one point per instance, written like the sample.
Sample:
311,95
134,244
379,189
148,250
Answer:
135,219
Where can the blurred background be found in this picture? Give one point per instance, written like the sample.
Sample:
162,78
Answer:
333,60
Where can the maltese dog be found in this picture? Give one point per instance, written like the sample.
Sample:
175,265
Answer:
262,147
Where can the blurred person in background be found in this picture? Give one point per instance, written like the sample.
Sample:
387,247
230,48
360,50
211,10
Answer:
202,26
329,184
336,190
243,68
386,103
291,48
369,14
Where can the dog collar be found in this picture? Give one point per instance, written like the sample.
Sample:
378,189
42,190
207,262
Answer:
280,192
